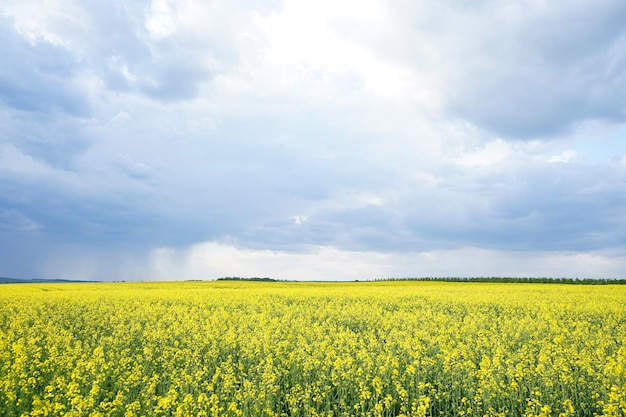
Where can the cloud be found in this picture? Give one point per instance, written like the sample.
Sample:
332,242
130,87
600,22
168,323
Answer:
41,76
213,260
309,139
518,70
44,98
525,207
166,51
14,220
564,157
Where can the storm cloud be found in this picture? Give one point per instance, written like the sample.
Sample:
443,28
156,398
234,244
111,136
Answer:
178,140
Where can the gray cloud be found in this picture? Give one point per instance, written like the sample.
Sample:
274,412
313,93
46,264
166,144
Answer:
518,70
132,131
570,207
44,100
546,207
166,51
40,77
55,139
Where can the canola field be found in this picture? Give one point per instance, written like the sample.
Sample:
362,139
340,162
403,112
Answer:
312,349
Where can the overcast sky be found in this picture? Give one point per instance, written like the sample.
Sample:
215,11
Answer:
328,140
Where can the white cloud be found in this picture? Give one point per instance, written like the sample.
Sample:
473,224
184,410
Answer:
161,21
490,154
15,161
214,260
507,68
564,157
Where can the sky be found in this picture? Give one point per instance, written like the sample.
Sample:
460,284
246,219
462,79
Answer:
326,140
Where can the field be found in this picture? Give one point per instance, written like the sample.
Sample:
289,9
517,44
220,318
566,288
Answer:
312,349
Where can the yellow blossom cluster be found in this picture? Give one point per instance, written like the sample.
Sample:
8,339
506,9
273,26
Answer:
312,349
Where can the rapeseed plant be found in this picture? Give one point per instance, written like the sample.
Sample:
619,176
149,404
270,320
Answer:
312,349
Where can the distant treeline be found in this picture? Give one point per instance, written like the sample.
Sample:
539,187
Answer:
586,281
265,279
5,280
